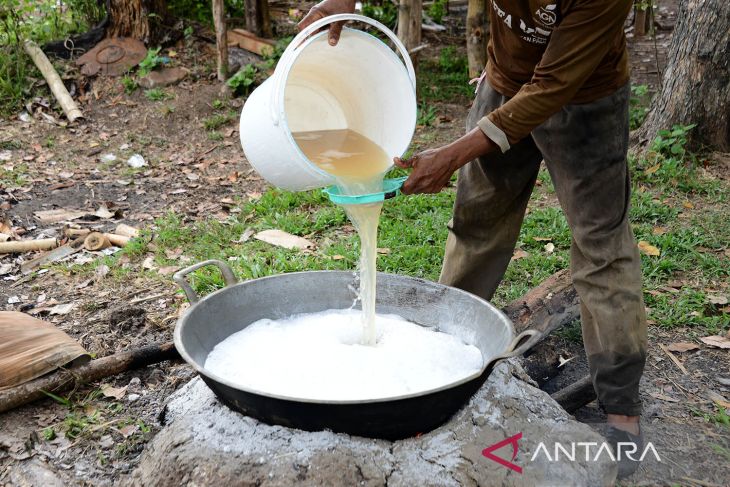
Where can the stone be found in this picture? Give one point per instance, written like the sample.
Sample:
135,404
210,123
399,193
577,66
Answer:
163,77
205,443
33,472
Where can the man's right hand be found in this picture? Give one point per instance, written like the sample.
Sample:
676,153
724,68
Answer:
325,9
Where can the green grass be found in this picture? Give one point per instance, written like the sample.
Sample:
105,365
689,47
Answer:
13,177
444,80
218,120
158,94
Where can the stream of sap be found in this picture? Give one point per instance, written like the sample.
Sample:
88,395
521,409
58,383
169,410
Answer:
359,165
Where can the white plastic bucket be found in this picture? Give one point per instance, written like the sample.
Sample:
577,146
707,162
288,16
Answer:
360,84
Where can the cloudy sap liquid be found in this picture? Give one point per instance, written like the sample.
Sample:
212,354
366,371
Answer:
359,165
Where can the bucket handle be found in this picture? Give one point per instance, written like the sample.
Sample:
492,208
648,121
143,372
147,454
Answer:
516,349
315,26
179,277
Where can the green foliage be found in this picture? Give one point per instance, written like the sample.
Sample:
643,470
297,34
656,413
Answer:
272,56
671,143
426,115
437,10
41,21
244,80
130,84
450,61
151,62
218,120
157,94
638,105
218,104
384,11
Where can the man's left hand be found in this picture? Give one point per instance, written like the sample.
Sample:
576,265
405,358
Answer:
432,170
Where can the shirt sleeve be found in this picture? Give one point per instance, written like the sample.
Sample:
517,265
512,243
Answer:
575,49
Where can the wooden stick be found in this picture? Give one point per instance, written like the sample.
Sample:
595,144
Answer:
54,81
96,241
65,379
18,246
576,395
126,230
117,240
674,359
221,38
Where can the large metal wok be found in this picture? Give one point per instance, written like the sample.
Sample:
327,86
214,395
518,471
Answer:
215,317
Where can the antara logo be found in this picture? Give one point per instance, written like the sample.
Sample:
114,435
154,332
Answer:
569,451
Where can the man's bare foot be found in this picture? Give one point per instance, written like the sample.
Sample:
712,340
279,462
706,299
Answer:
624,423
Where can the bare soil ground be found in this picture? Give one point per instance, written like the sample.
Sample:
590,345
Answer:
199,173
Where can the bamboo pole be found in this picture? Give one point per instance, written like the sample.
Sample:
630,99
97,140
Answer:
96,241
117,240
58,89
221,38
28,245
126,230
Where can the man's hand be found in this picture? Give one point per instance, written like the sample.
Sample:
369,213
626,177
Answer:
433,168
325,9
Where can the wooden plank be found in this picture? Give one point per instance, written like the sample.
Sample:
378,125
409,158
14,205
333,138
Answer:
250,42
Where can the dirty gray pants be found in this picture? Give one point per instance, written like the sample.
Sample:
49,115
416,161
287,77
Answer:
584,147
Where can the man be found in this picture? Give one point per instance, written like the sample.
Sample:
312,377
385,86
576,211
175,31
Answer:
556,88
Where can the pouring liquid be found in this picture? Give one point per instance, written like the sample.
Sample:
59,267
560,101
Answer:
358,165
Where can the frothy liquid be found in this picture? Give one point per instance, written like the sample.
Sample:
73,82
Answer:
326,362
359,165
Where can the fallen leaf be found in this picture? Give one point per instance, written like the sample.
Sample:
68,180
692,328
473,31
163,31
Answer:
167,270
58,215
149,263
716,341
246,235
128,430
658,231
62,309
663,397
542,239
682,347
113,392
563,361
652,169
5,269
338,257
549,248
717,299
103,212
718,399
283,239
519,254
383,250
648,249
688,205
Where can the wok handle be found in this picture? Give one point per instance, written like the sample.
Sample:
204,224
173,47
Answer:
516,349
179,277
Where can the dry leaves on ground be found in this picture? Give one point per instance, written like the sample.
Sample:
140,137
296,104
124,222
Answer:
648,249
716,341
283,239
682,347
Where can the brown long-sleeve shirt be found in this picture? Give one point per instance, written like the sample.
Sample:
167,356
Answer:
548,53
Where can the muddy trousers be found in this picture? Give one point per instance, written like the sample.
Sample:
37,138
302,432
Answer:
584,148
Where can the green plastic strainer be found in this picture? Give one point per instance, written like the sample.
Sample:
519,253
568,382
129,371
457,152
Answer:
391,189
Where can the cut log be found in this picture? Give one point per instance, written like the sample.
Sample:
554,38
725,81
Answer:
126,230
547,307
96,241
250,42
576,395
117,240
63,380
57,87
221,38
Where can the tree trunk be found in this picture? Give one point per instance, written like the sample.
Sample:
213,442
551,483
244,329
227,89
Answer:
257,17
477,35
409,25
221,38
696,81
140,19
